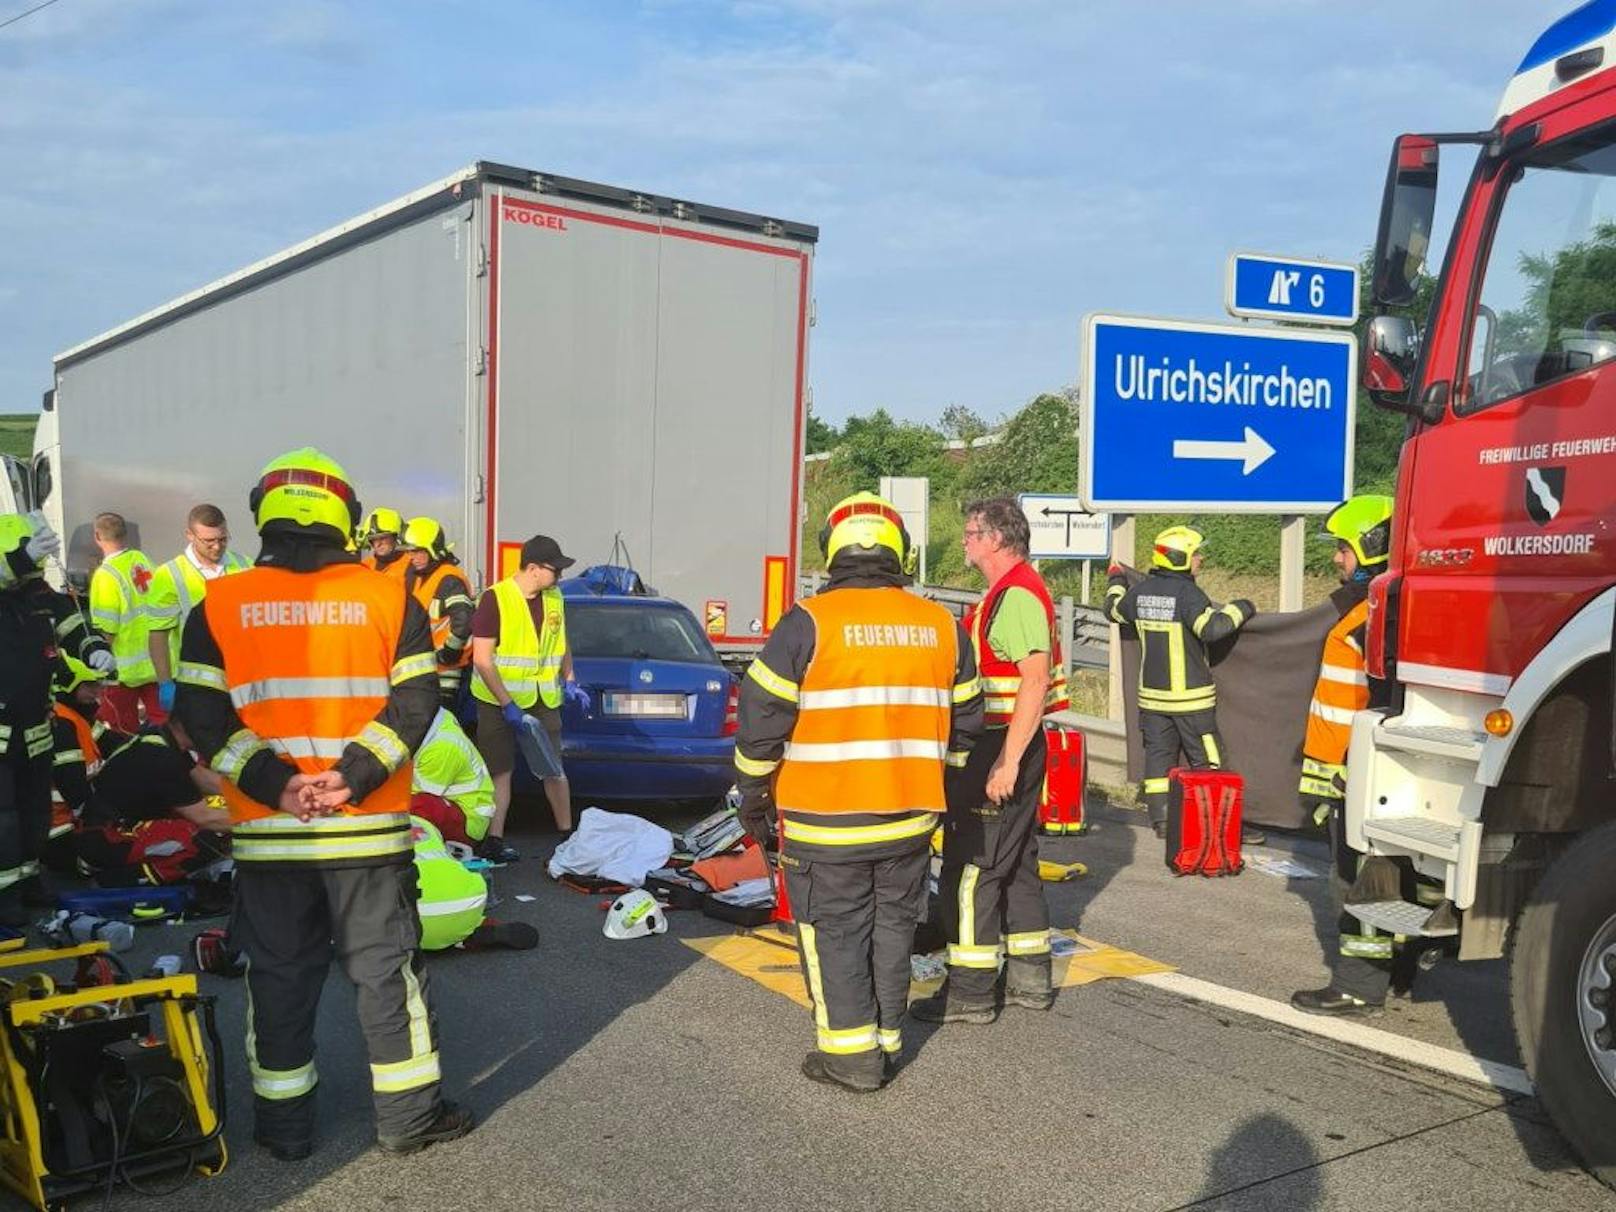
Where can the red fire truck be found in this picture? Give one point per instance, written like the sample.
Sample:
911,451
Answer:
1494,771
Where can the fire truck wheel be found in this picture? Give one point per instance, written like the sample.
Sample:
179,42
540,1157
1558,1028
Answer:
1563,996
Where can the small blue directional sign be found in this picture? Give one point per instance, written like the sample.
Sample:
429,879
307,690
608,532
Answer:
1179,417
1290,288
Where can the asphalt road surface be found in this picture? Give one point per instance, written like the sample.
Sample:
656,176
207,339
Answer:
608,1075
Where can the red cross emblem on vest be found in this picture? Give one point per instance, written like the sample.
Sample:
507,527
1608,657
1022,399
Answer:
141,576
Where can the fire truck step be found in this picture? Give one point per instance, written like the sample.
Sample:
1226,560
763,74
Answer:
1407,919
1416,835
1437,740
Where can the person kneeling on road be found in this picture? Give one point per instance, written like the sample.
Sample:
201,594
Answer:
147,819
451,786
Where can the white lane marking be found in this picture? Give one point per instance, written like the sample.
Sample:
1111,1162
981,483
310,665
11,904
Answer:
1347,1031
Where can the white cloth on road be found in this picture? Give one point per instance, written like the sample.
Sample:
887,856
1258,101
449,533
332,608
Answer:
614,846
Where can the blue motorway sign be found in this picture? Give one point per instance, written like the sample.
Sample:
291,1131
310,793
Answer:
1179,417
1290,288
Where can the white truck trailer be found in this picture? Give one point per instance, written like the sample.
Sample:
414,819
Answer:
507,351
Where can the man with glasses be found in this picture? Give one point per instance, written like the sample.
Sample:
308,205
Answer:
179,585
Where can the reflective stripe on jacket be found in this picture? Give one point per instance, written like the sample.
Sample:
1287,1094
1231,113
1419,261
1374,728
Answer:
1175,621
1341,692
308,661
528,662
1001,679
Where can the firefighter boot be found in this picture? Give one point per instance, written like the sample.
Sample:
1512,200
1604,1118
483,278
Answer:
285,1127
860,1072
1027,982
1332,1001
953,1005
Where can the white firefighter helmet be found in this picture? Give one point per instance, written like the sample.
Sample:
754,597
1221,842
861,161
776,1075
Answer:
634,915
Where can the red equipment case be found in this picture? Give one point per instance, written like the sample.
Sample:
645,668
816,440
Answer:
1203,822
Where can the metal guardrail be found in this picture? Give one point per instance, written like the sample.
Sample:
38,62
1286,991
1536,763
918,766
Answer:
1088,644
1105,743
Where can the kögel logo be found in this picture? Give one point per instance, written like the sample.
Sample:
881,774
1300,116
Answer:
1545,489
534,218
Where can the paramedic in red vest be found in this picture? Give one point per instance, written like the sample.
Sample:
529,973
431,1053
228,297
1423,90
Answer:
993,904
306,682
846,719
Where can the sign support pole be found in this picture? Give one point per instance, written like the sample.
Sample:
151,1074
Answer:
1292,555
1121,553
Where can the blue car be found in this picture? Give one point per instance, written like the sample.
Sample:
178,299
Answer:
662,708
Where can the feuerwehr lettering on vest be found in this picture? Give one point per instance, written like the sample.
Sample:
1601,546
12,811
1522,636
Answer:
888,635
303,614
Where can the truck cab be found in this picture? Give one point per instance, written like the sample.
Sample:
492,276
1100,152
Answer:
1491,773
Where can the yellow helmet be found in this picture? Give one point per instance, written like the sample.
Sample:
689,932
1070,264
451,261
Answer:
1363,523
867,522
380,520
73,673
424,534
15,530
1174,547
305,487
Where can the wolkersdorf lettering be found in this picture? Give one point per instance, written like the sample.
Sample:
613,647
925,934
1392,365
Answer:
303,614
1538,544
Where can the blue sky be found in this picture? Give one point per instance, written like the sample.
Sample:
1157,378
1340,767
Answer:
982,173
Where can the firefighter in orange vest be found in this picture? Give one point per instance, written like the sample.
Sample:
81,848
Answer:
380,537
1362,968
992,901
307,682
846,719
77,738
434,579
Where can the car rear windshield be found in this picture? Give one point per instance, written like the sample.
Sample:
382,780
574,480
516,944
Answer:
646,633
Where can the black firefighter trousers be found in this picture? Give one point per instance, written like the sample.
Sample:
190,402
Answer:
25,811
1165,735
290,922
855,927
992,901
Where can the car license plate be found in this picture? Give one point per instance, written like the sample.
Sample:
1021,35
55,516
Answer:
660,706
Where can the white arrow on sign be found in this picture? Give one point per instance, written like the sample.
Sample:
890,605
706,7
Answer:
1251,450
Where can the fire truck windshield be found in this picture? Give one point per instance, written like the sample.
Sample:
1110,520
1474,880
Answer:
1547,305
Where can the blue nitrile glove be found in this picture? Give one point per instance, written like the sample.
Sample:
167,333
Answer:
513,714
577,696
165,695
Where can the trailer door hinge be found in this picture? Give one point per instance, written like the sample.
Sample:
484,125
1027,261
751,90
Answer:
482,259
477,497
480,363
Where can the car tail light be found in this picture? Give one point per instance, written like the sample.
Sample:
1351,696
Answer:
1380,647
732,710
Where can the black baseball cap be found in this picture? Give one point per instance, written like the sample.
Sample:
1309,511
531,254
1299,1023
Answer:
542,549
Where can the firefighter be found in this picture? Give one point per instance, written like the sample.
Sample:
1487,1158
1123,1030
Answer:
1362,969
307,682
1175,622
846,718
992,901
77,739
380,535
36,624
434,578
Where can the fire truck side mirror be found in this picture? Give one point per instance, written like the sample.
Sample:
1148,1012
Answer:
1407,212
1391,350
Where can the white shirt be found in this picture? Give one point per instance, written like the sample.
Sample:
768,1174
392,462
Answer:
209,572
